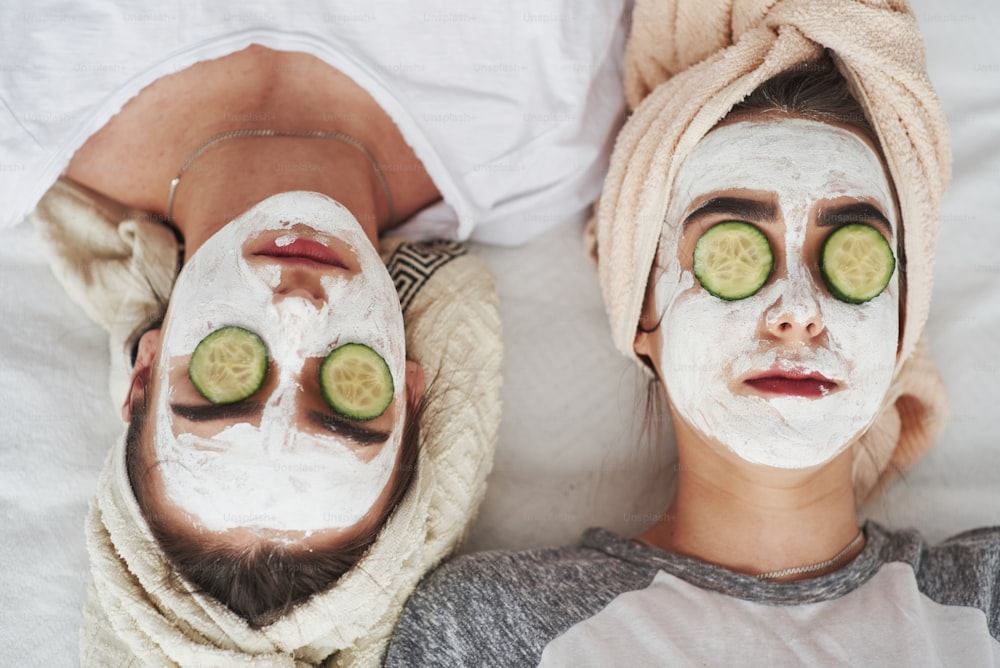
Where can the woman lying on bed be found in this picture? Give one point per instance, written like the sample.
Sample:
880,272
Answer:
780,319
245,451
273,414
273,409
232,423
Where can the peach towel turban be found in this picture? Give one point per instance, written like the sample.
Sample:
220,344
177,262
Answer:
687,64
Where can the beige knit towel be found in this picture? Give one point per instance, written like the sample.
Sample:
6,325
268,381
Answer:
133,617
688,63
115,262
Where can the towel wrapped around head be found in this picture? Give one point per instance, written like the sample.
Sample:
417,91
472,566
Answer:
136,612
687,65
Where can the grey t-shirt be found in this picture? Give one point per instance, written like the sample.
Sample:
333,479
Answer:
609,601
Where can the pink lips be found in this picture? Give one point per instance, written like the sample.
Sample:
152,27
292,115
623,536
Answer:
303,251
792,383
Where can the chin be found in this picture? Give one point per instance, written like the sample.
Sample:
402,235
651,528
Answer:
788,432
786,457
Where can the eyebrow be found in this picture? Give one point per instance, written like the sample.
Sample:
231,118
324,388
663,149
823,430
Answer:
346,427
738,207
853,213
210,412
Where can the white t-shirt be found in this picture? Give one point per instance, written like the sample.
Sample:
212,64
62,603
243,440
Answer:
511,106
611,602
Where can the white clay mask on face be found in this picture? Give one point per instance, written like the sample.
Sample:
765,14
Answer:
278,470
792,328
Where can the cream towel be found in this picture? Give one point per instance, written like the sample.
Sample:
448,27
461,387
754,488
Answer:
688,63
115,262
452,328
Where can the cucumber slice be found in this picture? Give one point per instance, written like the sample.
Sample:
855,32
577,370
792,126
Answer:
356,382
856,262
733,260
228,365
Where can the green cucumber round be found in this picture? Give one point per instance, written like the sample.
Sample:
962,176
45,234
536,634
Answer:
228,365
733,260
856,263
356,382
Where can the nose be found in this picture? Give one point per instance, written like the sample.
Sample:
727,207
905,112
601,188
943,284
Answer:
795,316
314,297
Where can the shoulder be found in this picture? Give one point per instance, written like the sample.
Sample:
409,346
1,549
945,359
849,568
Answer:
503,608
971,556
963,570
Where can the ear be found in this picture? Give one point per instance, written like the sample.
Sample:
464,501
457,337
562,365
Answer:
414,384
648,333
642,344
648,320
149,346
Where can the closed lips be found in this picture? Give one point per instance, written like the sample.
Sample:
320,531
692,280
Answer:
305,250
792,383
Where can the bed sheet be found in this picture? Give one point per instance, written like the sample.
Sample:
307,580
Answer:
570,454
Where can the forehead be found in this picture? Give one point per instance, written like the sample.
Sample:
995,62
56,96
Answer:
800,161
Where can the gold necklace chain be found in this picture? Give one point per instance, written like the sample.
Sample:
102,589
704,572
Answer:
305,134
796,570
799,570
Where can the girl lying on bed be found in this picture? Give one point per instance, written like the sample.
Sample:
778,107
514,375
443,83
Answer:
781,319
273,498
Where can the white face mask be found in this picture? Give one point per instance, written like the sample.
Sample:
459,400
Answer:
711,346
279,471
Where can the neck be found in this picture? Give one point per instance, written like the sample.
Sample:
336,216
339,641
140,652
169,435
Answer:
229,178
135,156
755,519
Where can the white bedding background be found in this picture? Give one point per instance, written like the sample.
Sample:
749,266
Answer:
569,454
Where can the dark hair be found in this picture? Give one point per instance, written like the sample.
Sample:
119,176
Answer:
815,90
262,581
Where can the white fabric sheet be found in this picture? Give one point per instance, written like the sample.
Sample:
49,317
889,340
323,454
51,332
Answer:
497,100
569,455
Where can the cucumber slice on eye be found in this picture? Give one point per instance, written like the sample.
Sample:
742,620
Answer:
356,382
228,365
733,260
856,262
